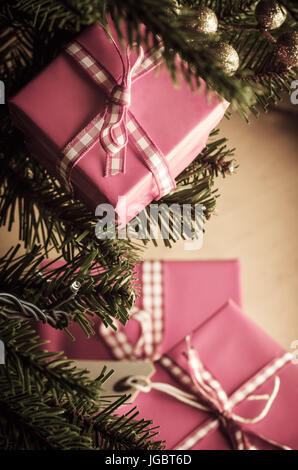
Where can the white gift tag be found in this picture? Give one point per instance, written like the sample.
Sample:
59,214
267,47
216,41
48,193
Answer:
115,384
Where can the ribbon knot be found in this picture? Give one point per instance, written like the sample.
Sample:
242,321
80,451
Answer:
120,95
212,394
223,415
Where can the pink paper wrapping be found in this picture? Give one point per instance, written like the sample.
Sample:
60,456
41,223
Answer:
204,285
233,349
62,99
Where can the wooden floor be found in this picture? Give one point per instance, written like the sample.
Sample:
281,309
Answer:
256,222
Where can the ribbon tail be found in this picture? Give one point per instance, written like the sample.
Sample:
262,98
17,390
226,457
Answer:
115,163
193,438
237,437
113,138
259,437
152,156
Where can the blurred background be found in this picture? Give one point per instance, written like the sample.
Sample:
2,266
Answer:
256,221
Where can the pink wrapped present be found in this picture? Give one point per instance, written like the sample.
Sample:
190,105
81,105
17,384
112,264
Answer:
227,385
169,291
109,122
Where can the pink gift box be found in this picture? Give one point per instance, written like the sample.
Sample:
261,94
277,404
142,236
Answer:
191,290
234,350
62,99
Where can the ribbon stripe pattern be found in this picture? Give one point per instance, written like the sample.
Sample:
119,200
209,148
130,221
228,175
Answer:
150,318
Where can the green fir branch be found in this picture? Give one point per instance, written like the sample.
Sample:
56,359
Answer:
28,422
114,431
107,294
47,403
38,369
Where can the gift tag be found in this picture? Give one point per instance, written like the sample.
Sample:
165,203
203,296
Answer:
115,384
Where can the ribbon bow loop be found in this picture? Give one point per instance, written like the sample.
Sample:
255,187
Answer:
209,389
211,393
113,135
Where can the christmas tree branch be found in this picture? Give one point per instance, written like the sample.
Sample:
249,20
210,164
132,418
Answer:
109,431
194,186
46,402
48,25
28,422
32,420
107,294
39,369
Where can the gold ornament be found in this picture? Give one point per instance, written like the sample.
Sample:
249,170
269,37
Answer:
287,48
270,14
206,21
231,168
175,8
228,57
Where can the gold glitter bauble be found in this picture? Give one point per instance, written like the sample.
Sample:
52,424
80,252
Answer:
206,20
175,8
270,14
287,48
228,57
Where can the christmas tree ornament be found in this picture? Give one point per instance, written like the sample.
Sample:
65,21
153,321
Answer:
231,168
228,57
287,48
174,8
270,14
206,21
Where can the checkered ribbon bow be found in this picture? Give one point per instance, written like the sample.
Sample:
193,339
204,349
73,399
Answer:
214,399
116,125
208,395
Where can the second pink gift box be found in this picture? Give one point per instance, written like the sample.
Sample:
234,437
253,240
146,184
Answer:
226,385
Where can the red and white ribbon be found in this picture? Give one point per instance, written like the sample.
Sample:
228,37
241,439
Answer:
113,134
150,318
208,395
116,125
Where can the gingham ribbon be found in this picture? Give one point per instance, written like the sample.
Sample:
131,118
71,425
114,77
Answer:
117,124
207,394
150,318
